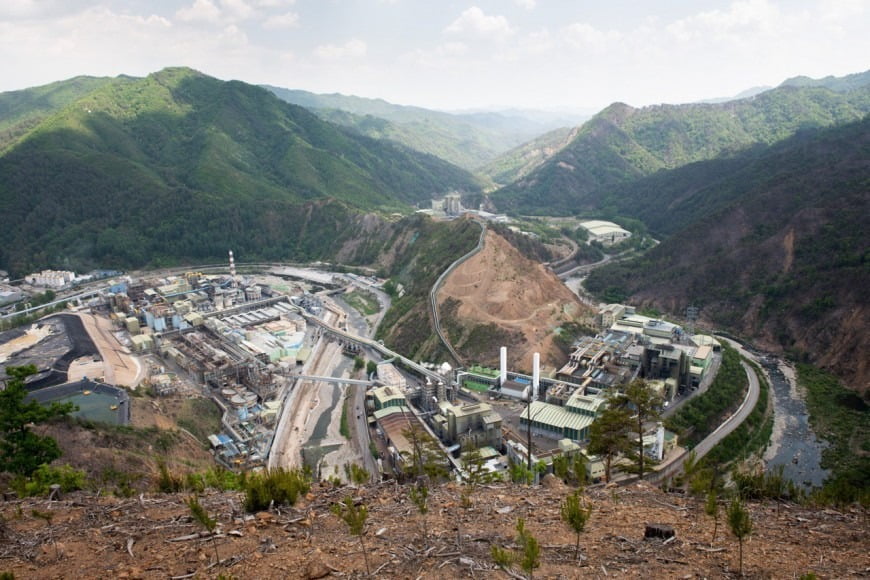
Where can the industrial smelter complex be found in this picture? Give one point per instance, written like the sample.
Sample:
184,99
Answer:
246,344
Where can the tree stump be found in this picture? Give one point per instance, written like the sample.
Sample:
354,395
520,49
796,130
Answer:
663,531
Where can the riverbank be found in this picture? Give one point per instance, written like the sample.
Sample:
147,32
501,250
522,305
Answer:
793,445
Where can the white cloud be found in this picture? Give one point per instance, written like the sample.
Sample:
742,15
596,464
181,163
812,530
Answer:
352,49
527,4
199,11
233,36
19,8
585,36
730,24
286,20
474,56
274,3
225,11
452,49
448,55
475,21
537,42
237,9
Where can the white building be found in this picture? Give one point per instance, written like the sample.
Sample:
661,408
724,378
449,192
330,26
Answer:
50,278
606,233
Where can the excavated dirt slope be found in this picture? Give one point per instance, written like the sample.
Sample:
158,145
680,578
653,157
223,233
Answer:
525,300
152,536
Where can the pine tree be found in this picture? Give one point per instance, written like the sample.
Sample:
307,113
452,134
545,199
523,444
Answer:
201,516
530,558
740,523
608,436
21,450
420,496
355,517
576,516
643,404
711,508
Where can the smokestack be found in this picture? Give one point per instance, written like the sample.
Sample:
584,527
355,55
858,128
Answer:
536,375
502,377
232,268
660,442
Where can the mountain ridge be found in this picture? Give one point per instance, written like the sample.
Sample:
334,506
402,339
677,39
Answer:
468,139
622,143
213,159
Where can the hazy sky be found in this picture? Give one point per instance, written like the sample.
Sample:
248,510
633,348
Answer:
447,54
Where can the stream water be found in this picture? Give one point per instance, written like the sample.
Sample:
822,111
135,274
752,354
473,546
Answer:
314,450
794,445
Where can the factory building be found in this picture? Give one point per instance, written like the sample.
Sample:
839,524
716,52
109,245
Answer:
396,424
387,396
605,233
51,278
468,425
568,421
9,295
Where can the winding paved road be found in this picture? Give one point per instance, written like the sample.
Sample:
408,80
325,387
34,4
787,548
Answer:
725,429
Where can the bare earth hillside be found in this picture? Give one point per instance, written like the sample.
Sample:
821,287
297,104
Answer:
84,536
500,298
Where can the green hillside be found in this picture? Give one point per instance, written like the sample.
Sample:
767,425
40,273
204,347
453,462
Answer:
180,166
21,111
840,84
520,161
421,249
770,243
466,140
622,144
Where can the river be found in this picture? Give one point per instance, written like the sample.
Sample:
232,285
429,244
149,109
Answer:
793,444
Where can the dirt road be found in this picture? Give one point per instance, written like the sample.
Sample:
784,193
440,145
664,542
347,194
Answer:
119,367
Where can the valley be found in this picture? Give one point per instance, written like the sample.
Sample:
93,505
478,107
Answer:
664,296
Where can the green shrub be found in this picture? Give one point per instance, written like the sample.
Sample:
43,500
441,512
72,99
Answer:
40,482
766,485
842,419
167,482
223,479
278,486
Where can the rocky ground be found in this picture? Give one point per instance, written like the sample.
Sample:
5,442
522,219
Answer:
152,536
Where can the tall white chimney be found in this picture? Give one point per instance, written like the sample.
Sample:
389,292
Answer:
660,442
536,375
232,268
502,376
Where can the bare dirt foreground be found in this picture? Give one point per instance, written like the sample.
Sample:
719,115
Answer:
500,286
154,537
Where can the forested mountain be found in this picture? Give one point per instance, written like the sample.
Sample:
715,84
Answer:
771,243
622,144
181,166
21,111
468,140
522,160
839,84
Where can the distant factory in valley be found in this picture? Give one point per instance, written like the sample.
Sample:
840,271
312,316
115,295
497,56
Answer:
604,232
